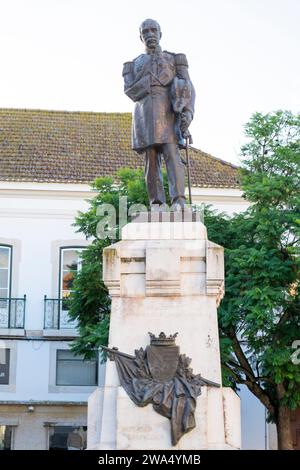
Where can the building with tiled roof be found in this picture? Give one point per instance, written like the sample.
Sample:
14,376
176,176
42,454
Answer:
76,147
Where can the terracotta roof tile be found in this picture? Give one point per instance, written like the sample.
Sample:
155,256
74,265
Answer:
76,147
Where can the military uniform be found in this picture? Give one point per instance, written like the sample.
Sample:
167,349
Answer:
147,81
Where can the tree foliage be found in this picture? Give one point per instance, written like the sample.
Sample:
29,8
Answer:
260,314
90,302
259,318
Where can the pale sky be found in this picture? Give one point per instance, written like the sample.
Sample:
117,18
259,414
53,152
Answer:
68,55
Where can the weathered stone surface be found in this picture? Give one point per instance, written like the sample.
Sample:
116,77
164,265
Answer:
232,417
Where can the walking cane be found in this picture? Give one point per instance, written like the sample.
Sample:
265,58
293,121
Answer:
187,141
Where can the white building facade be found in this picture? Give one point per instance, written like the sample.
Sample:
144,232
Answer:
45,388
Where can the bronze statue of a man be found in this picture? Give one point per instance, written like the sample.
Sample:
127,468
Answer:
159,84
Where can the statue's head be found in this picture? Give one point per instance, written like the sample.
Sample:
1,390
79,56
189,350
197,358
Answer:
150,33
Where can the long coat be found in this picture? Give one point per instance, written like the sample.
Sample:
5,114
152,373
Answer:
147,81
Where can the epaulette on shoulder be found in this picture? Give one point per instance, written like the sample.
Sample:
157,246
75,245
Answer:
127,68
180,59
171,53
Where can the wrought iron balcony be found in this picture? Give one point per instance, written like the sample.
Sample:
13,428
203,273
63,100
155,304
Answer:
12,312
56,314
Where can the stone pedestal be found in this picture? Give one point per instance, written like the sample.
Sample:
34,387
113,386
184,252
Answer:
164,276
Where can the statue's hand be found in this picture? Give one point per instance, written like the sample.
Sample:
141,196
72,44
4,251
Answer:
186,119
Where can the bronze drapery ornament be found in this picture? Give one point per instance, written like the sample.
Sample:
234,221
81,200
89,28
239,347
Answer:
161,376
159,84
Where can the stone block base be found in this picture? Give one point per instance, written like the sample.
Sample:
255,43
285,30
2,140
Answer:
164,275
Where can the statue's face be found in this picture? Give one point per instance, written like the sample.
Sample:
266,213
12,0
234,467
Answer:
150,34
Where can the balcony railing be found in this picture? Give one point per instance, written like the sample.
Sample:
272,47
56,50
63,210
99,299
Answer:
56,314
12,312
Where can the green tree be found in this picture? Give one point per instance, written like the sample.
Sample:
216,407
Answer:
259,318
90,302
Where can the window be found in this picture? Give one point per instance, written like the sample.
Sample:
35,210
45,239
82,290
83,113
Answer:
67,438
5,265
5,269
70,264
6,433
4,366
74,370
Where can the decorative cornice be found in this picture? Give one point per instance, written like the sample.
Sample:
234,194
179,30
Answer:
38,213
